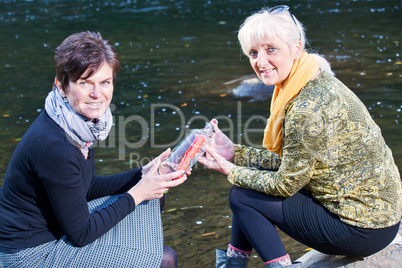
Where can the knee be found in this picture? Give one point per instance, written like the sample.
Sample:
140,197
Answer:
235,197
169,259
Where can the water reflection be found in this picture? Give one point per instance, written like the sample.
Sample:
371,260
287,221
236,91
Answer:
180,55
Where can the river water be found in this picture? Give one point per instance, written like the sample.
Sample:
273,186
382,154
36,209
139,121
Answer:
177,57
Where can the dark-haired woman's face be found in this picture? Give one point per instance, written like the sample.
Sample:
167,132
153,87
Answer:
91,97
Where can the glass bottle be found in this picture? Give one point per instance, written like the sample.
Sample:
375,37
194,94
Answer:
186,153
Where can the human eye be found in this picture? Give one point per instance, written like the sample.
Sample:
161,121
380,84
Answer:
106,82
253,53
83,83
271,49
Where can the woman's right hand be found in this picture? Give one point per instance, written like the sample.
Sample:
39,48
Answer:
215,161
152,185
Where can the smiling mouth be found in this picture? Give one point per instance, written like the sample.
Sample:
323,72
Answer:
267,71
94,104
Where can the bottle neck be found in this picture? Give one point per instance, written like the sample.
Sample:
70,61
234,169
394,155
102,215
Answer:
208,129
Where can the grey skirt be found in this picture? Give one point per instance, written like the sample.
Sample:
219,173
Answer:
136,241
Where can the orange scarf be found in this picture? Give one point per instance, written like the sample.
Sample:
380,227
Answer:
303,70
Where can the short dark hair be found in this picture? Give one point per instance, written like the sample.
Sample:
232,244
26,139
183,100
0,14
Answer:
81,52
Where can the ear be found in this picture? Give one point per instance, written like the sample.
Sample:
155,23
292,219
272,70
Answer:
298,49
59,87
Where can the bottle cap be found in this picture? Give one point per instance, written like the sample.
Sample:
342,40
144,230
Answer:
214,121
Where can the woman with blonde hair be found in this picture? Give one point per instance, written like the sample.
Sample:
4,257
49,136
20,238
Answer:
326,177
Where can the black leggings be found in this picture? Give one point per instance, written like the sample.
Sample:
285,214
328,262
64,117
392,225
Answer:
303,218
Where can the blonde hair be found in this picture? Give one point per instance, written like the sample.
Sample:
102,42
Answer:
257,27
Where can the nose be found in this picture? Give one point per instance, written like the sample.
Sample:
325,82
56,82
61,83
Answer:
261,60
96,92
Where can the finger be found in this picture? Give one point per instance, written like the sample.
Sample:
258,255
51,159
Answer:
160,159
177,181
208,163
155,165
165,154
203,160
171,176
156,161
216,128
213,153
218,159
206,160
209,157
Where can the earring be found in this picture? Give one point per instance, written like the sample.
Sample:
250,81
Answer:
65,99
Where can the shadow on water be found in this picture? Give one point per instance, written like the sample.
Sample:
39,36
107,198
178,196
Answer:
176,58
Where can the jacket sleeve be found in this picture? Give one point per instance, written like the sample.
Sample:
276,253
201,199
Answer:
303,129
256,158
62,176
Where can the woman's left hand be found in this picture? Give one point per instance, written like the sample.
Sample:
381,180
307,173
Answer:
221,143
156,162
215,161
153,185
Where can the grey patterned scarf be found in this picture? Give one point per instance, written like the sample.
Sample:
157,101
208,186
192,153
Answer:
83,132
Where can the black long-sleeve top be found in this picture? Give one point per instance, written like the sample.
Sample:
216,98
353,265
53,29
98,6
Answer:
46,188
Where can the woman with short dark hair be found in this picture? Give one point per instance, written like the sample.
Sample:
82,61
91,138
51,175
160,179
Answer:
54,210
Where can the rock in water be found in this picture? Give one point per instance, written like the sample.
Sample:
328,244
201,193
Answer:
253,88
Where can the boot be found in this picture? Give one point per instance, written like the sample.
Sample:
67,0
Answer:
278,265
223,261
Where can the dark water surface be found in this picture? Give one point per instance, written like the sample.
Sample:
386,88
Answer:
176,57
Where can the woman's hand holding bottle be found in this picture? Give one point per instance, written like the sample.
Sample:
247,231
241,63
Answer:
221,143
186,153
221,150
152,185
215,161
218,147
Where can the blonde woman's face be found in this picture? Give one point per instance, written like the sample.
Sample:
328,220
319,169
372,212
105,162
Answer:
272,59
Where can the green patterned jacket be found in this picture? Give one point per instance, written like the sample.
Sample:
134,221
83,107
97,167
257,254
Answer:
334,149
